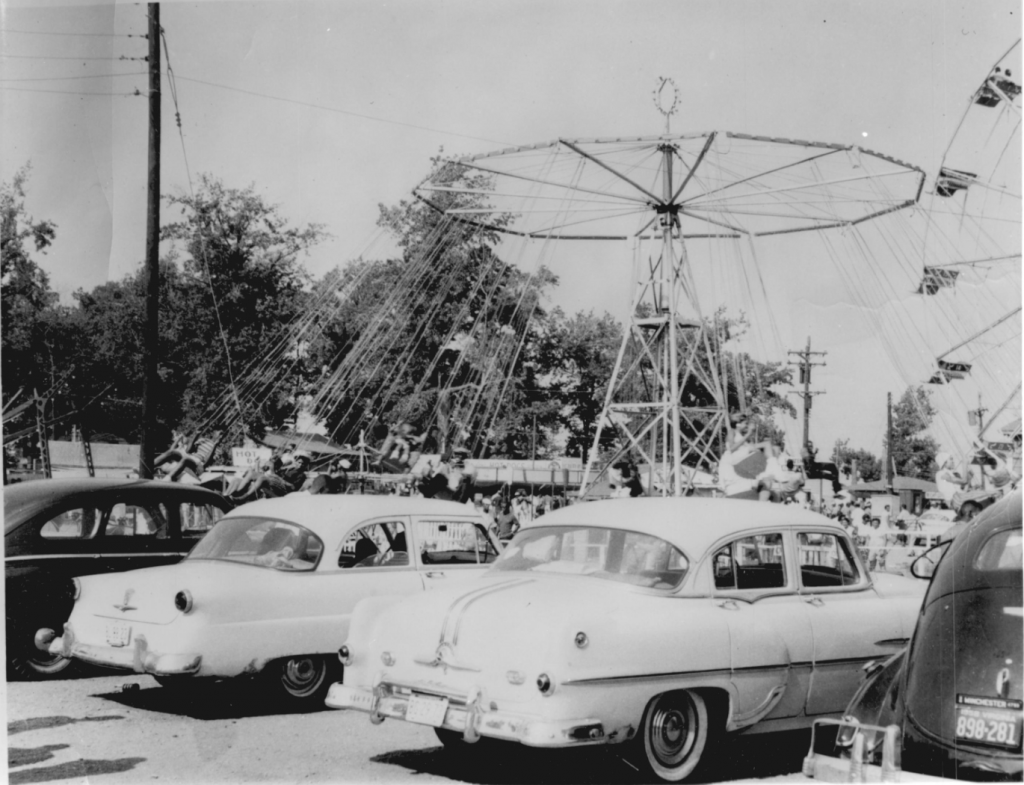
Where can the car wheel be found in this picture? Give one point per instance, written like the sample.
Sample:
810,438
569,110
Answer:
674,734
300,679
35,664
26,661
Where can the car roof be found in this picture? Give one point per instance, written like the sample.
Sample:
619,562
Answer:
693,524
24,499
323,511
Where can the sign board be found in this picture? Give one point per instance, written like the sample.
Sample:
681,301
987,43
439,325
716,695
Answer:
249,456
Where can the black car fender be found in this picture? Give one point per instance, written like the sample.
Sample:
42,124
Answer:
876,699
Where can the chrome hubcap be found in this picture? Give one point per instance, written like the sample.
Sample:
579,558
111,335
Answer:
302,676
672,733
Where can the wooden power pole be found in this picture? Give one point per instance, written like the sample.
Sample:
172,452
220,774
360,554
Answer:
151,331
807,394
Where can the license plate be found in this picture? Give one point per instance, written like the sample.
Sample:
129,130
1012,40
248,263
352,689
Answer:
118,633
988,725
426,710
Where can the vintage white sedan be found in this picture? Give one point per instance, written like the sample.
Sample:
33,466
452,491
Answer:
270,589
657,623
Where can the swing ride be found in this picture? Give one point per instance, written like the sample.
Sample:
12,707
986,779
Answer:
672,198
692,213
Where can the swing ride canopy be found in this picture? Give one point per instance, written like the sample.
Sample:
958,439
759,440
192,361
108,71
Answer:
719,184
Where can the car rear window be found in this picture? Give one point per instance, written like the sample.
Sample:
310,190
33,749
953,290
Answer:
609,554
1002,551
263,542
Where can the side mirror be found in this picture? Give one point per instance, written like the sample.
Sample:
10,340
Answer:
924,565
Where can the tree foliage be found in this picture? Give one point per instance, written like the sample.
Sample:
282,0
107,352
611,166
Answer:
867,466
437,336
25,294
912,450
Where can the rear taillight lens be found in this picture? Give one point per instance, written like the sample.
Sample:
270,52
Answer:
183,601
76,589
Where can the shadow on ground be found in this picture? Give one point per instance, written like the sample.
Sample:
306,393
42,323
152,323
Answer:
208,700
40,723
750,757
78,769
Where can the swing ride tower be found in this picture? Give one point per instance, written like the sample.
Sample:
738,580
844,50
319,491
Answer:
666,349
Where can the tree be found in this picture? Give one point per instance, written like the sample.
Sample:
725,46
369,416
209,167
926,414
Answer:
25,294
912,451
242,286
574,357
438,336
867,466
228,289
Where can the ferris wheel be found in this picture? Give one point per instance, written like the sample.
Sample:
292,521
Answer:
977,189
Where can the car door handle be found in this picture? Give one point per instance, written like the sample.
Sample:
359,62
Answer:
817,602
433,574
729,605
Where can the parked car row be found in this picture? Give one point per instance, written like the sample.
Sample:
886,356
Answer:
661,625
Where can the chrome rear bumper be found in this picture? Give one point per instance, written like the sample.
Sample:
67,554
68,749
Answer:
137,657
469,717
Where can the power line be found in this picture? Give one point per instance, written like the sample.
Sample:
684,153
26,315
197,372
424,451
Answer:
88,35
67,78
65,57
66,92
342,111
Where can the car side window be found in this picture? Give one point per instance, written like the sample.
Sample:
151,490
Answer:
376,545
197,519
79,523
130,520
454,543
825,560
755,562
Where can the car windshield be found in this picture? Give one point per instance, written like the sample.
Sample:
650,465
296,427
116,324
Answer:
263,542
611,554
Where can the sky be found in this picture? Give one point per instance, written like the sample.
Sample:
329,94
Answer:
332,108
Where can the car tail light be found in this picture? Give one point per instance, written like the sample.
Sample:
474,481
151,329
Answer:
545,684
76,589
345,656
183,601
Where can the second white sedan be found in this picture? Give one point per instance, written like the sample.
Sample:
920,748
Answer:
271,588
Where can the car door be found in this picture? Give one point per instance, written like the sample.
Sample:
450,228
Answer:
374,559
851,623
770,633
449,548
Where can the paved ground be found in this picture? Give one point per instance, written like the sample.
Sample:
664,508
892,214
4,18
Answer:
70,730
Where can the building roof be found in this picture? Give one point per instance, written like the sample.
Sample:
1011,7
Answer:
898,484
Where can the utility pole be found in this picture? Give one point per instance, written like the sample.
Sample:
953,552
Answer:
807,394
151,331
978,417
888,445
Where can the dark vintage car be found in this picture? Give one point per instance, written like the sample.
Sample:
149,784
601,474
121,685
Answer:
56,530
956,691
